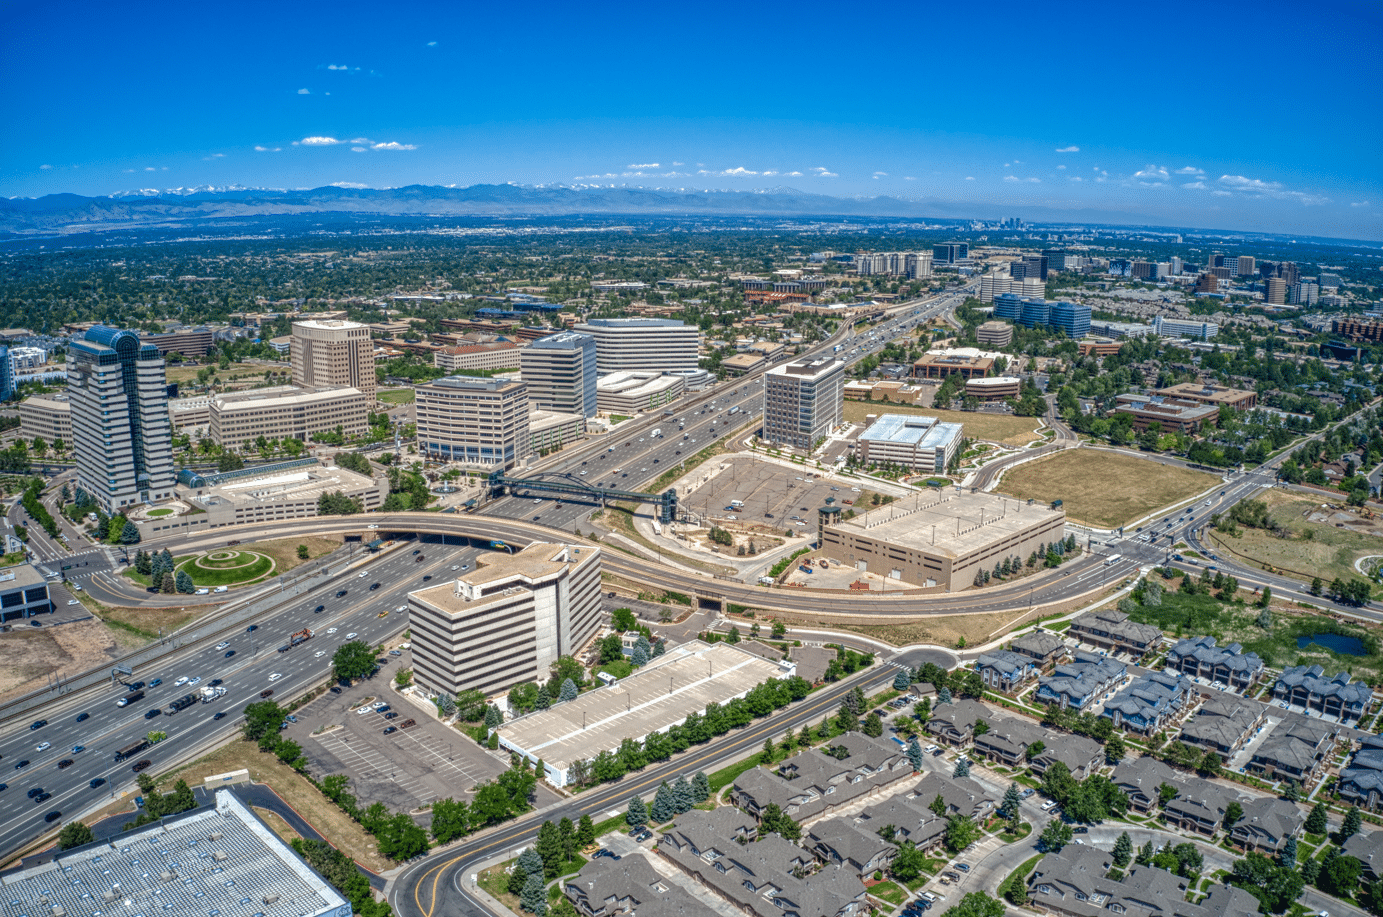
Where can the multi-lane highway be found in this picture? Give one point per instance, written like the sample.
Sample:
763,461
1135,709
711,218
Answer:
246,665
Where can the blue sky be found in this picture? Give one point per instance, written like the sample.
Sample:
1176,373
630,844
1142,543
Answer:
1228,115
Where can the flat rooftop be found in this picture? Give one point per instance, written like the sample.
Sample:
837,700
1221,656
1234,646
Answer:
499,574
911,429
948,524
681,681
21,576
220,860
290,484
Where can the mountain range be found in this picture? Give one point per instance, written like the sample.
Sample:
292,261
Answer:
72,213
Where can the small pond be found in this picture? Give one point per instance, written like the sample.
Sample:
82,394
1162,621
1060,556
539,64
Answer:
1349,646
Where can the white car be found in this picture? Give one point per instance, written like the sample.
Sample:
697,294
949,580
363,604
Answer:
536,502
351,635
402,608
331,630
276,676
380,705
372,526
180,682
319,654
363,574
364,710
194,680
1049,805
44,747
203,591
76,587
73,602
222,645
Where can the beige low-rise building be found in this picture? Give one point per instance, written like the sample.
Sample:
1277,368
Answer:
497,355
190,414
995,334
553,430
994,388
630,393
507,620
742,363
942,538
286,412
46,416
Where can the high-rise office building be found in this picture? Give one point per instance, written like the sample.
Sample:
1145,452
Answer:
658,344
1056,260
1072,318
918,265
951,253
1207,283
121,433
482,422
6,374
560,372
1245,266
803,401
331,352
1305,294
1329,281
1275,291
1174,266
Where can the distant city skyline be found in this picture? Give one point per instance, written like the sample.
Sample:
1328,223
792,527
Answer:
1184,115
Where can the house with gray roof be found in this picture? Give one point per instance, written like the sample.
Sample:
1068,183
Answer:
1361,783
1367,849
1149,702
762,878
841,842
1224,723
1081,755
606,888
1296,749
960,795
954,724
1230,665
910,819
1141,780
1007,740
1075,883
1199,806
1112,630
1044,648
1082,682
1005,671
1340,696
812,661
1266,825
812,784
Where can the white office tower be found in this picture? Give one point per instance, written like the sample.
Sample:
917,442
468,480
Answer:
628,344
803,401
121,433
919,265
328,353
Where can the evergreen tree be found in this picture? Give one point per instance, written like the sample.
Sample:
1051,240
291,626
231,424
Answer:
943,696
901,680
534,896
770,750
659,648
566,831
1123,850
1011,802
568,690
914,754
169,584
585,831
1291,792
637,813
549,847
129,533
183,582
143,563
1145,854
962,769
856,701
1351,824
1315,822
544,699
701,787
639,656
873,726
683,796
1289,853
167,559
663,806
493,717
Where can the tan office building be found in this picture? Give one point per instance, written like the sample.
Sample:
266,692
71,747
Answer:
286,412
479,422
553,430
499,355
48,416
505,622
331,353
995,334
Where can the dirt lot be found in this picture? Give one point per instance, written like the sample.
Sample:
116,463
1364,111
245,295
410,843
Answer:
1324,542
28,656
1102,488
330,822
996,428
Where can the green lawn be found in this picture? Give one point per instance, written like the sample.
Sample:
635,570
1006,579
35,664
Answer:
153,513
888,891
725,776
229,577
620,668
617,823
396,396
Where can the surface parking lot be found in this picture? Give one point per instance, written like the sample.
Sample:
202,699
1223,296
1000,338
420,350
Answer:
772,493
404,770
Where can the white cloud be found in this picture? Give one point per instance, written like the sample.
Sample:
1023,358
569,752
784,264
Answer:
432,44
1068,149
150,169
794,175
770,172
878,174
1189,170
1008,165
45,167
738,171
319,141
359,149
393,145
646,165
1222,193
268,149
969,178
213,156
678,163
1354,204
1076,178
1032,181
1272,189
909,178
1150,175
304,92
1198,185
347,184
1061,167
343,68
